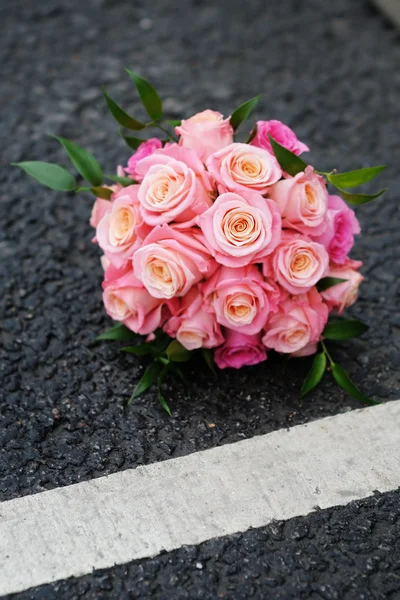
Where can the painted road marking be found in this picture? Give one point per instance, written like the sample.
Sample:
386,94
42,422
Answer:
391,8
139,512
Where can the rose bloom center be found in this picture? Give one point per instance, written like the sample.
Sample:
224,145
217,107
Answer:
302,264
240,228
121,225
240,308
246,167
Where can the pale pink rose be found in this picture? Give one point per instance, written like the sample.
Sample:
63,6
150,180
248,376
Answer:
241,298
239,350
205,133
126,300
281,133
241,229
241,167
175,186
100,207
338,238
121,229
297,264
297,325
340,296
192,326
303,202
145,149
170,262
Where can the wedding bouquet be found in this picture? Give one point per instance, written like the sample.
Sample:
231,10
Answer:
232,247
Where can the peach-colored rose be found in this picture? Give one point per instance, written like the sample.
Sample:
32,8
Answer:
192,326
340,296
298,324
121,229
240,350
126,300
303,202
241,298
205,133
241,167
297,264
170,262
241,229
175,186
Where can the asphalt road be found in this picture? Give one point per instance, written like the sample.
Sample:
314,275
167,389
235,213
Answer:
330,70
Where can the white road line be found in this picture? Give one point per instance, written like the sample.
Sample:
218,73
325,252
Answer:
138,513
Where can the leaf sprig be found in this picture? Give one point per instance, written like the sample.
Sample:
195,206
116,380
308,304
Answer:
165,355
293,164
335,330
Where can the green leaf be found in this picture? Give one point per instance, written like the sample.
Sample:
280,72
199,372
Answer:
119,332
125,181
121,116
289,162
160,380
148,95
133,142
174,122
146,380
354,178
252,135
209,359
84,162
314,375
359,198
327,282
343,379
48,174
344,330
177,353
101,192
139,349
242,112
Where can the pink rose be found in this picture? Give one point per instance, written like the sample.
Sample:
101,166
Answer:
241,229
241,298
297,264
100,207
170,262
303,202
126,300
338,238
192,326
145,149
240,350
121,229
297,325
241,167
340,296
175,186
281,134
205,133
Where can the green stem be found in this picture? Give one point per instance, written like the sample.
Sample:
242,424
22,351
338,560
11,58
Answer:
170,135
328,356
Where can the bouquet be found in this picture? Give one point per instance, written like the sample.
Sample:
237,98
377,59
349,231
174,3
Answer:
231,248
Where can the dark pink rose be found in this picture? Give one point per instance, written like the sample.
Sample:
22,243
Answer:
338,238
145,149
281,134
240,350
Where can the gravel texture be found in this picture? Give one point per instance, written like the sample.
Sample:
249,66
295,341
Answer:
329,69
346,553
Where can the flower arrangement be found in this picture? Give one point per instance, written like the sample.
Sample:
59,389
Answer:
232,248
